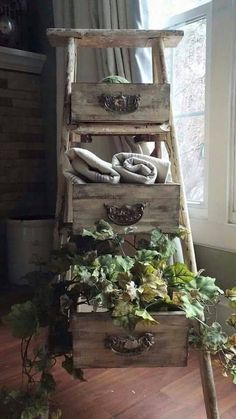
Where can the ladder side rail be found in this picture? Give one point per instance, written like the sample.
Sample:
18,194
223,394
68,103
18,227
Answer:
62,190
174,155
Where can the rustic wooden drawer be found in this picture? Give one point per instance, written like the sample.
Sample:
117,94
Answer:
122,204
103,102
97,342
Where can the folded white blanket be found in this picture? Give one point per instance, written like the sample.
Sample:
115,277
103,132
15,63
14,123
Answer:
139,168
86,165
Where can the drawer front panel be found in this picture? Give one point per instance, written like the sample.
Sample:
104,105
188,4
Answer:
91,331
104,102
161,205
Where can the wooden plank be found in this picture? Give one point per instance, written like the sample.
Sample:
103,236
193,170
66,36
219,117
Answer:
161,205
106,38
120,129
153,107
90,329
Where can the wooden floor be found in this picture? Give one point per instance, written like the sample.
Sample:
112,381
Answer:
157,393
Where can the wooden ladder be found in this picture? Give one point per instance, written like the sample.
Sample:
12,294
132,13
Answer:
73,39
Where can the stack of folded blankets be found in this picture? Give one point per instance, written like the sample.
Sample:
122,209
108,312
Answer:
85,167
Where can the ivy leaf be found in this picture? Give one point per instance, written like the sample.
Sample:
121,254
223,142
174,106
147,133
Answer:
43,361
233,373
146,256
145,315
204,287
68,365
22,320
122,308
103,231
123,279
231,321
140,270
153,286
213,338
191,307
231,295
178,274
47,383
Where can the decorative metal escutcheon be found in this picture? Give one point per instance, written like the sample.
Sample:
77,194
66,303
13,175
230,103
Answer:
129,346
120,103
125,215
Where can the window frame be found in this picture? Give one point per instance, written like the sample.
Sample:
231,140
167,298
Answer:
213,224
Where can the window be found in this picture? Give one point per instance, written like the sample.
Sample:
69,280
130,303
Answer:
202,72
187,67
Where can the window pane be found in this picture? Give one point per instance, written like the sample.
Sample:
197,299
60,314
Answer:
165,9
186,65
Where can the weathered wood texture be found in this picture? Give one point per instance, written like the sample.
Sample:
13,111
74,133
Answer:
161,210
90,329
154,103
106,38
61,212
98,128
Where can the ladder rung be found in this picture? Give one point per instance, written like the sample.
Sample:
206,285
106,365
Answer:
119,129
105,38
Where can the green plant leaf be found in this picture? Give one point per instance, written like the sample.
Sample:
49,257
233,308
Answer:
22,320
213,338
103,231
178,274
122,308
145,315
47,383
68,365
146,256
204,287
191,307
231,295
231,321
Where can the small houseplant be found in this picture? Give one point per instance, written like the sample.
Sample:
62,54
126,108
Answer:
129,287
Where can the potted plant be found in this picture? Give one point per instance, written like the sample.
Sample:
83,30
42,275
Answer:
143,295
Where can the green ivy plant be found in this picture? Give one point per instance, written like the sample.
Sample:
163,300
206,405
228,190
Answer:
131,288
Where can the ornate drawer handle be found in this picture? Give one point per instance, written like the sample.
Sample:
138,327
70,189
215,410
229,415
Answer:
125,215
129,345
119,103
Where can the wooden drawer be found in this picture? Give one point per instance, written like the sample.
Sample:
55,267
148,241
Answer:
98,343
119,203
103,102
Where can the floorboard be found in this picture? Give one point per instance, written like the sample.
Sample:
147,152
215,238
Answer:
155,393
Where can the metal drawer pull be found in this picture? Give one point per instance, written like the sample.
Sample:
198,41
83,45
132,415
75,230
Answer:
120,103
125,215
129,345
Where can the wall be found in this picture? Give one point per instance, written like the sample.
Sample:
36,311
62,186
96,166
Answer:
41,18
217,263
28,133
